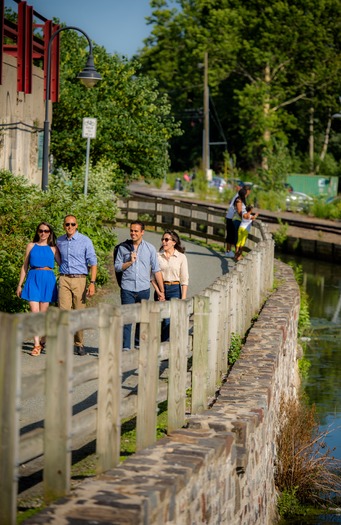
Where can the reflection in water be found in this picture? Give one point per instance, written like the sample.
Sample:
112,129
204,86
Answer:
322,282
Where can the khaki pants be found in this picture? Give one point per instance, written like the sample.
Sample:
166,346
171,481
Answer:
72,296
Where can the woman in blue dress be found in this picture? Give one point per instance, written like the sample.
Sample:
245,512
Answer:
40,287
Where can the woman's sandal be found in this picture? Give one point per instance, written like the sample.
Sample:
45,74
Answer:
36,350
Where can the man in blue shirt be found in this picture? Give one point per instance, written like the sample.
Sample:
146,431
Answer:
136,259
77,256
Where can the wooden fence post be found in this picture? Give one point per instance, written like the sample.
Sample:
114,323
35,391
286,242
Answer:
10,386
150,335
200,345
158,212
108,440
176,214
177,364
58,405
193,224
213,334
210,226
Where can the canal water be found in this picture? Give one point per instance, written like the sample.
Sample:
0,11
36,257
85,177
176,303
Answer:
322,282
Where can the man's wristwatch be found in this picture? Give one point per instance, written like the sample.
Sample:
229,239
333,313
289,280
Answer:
92,282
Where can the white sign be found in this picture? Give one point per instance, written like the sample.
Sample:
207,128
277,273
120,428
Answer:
89,128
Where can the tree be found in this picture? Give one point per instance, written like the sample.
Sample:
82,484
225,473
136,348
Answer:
270,62
174,54
134,124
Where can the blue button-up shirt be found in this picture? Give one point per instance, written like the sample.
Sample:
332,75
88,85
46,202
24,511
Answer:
137,276
77,254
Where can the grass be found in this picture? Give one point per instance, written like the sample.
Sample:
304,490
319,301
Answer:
236,344
306,471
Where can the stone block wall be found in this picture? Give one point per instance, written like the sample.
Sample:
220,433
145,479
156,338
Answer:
220,469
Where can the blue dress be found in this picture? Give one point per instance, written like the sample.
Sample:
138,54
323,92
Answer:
40,285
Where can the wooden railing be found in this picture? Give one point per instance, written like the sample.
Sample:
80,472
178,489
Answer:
194,219
204,325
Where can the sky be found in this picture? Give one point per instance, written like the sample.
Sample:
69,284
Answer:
118,25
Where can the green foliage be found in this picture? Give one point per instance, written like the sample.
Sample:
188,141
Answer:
281,235
22,516
268,200
304,315
235,348
324,210
303,367
134,123
263,80
279,165
289,506
200,184
23,206
171,179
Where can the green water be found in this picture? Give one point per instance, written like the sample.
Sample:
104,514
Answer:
322,282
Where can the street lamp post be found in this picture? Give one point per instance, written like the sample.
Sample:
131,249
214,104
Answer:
89,77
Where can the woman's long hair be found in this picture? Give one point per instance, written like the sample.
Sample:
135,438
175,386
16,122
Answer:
175,237
51,240
242,193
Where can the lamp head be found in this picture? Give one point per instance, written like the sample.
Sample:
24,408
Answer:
89,76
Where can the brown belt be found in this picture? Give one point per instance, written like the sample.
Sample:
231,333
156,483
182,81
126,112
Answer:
45,268
171,282
73,275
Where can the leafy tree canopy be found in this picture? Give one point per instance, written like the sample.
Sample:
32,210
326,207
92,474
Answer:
270,61
134,123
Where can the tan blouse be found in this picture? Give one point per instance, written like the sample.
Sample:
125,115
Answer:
175,268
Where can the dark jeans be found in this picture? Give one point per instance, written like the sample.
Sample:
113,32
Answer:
171,291
230,232
128,297
236,225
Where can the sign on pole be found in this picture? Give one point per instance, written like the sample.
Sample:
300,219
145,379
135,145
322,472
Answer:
89,128
88,132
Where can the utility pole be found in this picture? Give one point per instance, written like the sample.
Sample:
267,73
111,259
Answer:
206,131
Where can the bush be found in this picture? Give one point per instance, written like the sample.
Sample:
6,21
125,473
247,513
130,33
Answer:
289,506
268,200
324,210
281,235
23,206
305,467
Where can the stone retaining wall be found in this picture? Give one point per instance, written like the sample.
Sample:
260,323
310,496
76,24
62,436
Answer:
220,469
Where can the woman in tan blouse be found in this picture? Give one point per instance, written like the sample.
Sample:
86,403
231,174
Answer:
174,268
